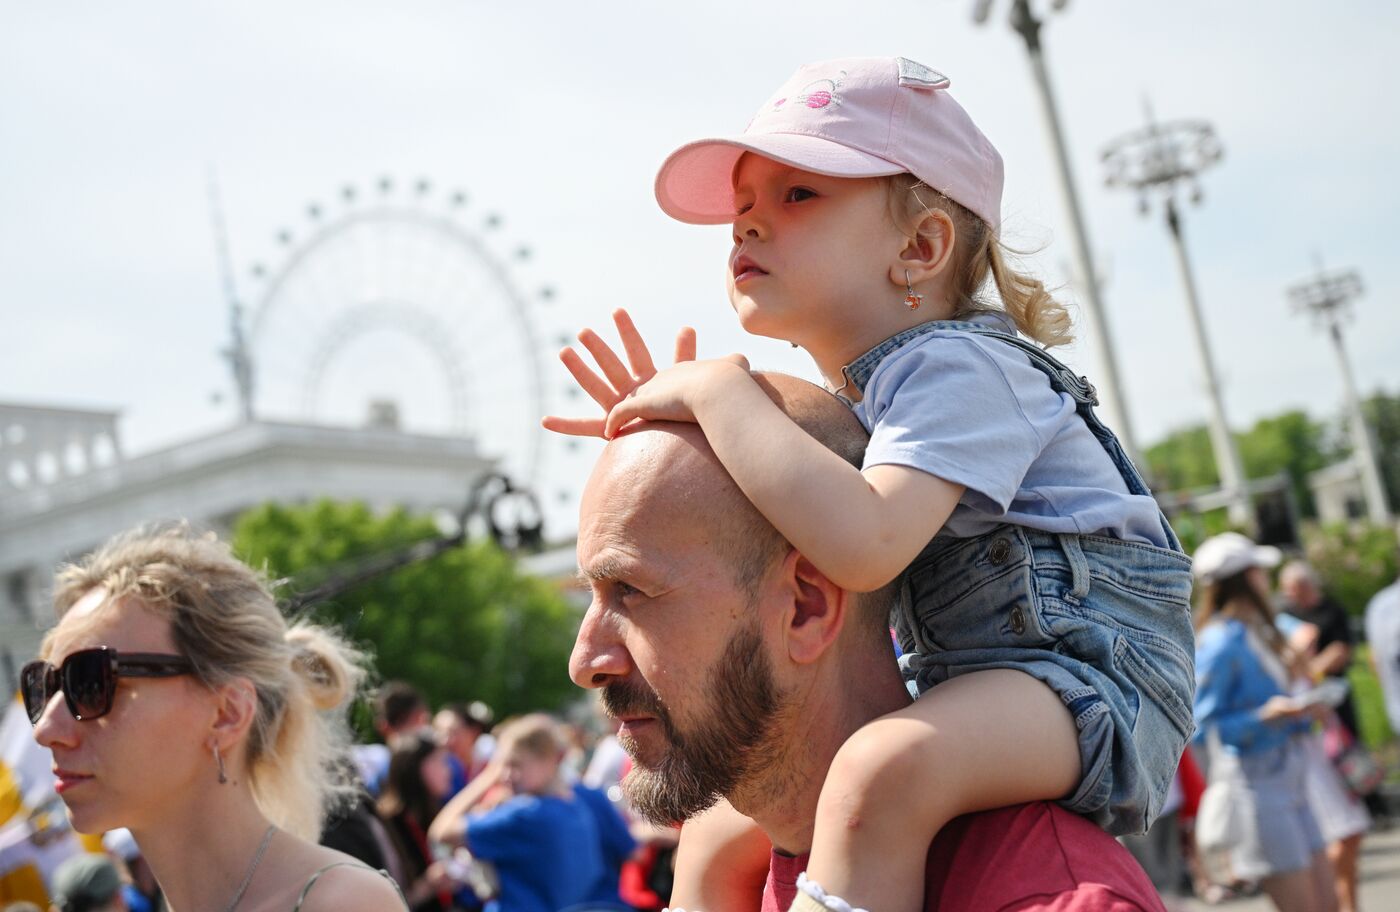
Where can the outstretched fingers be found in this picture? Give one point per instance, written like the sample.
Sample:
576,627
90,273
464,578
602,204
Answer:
574,427
612,381
638,355
601,391
595,386
609,363
685,344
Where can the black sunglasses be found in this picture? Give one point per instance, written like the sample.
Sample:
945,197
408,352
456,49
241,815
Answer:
88,679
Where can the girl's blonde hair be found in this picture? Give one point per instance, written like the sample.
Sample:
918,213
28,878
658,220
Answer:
978,255
225,620
536,734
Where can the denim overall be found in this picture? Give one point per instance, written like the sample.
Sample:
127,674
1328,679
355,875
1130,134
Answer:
1105,623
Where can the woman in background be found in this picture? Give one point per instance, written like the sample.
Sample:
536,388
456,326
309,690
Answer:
1243,676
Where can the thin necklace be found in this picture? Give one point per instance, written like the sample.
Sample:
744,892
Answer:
248,878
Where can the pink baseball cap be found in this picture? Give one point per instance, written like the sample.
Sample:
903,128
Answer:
858,117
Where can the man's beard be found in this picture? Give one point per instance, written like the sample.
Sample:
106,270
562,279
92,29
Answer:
734,737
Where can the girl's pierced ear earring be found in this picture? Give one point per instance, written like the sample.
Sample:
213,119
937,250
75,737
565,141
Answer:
223,778
911,300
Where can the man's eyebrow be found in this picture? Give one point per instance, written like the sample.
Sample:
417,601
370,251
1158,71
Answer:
602,571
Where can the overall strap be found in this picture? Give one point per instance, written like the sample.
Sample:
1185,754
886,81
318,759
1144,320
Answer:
345,864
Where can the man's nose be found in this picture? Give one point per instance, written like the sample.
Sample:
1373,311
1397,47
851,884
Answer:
599,655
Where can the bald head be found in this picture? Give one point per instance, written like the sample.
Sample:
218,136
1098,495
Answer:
707,633
819,413
670,466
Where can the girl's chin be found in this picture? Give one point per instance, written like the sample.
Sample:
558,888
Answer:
757,323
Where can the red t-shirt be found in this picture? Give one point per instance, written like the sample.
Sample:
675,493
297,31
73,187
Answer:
1026,857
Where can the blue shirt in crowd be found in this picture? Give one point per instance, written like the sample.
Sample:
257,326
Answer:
546,850
614,839
1232,683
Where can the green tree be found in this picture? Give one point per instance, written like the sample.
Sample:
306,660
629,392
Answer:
1183,460
1355,560
1291,443
464,625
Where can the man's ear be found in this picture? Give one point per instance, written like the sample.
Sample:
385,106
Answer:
818,611
929,252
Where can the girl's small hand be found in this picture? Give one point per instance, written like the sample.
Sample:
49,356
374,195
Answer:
617,381
672,395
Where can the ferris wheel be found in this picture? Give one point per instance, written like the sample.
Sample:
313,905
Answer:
399,306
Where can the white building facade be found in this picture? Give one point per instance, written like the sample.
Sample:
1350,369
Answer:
66,486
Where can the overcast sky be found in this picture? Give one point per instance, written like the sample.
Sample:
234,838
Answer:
556,116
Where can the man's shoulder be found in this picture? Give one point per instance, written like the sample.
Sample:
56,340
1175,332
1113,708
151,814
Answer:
1033,856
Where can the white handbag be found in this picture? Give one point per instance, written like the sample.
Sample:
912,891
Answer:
1225,814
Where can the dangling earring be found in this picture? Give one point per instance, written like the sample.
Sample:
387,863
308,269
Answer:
220,760
911,300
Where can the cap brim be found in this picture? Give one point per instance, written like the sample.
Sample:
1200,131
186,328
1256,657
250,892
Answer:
696,182
1267,556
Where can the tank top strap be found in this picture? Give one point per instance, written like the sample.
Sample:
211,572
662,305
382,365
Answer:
346,864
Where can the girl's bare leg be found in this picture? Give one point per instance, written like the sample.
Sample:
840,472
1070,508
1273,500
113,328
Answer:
981,740
722,863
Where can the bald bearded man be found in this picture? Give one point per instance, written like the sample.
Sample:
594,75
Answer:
737,670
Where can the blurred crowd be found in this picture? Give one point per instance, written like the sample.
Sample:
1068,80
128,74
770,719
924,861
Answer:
526,815
463,811
1278,789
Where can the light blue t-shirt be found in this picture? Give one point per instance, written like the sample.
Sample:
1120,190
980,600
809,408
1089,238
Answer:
974,411
1383,633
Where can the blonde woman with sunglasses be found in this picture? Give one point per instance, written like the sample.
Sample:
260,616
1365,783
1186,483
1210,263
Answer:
178,703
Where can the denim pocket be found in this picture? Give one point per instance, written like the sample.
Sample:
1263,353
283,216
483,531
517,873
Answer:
1157,688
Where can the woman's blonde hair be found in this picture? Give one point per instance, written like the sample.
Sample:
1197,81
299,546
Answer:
978,255
224,619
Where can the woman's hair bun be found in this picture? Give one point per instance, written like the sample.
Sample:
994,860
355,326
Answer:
331,668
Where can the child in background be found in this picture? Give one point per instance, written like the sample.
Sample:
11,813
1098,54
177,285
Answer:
1046,599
